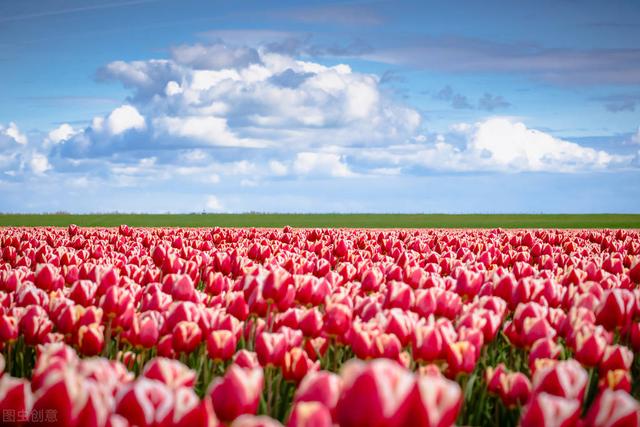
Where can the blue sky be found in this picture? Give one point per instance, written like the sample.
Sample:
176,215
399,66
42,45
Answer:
332,106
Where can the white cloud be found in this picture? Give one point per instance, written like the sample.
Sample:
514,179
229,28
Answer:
39,163
123,119
213,204
308,163
278,168
497,144
173,88
14,133
242,97
63,132
512,146
210,130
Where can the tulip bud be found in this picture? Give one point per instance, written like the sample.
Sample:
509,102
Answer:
237,393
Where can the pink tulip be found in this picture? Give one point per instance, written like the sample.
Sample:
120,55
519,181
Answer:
237,393
374,394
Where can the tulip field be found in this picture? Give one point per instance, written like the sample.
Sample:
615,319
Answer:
249,327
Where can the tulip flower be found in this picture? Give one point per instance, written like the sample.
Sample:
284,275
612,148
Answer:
255,421
309,414
427,343
270,348
15,395
188,410
169,372
221,345
589,347
461,357
311,323
8,329
337,320
436,402
320,386
618,379
616,357
144,402
246,359
91,339
375,394
186,337
565,379
64,392
617,309
237,393
546,410
613,409
297,364
35,325
543,348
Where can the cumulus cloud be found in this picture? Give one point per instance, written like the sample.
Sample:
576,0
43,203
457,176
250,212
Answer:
13,133
330,164
123,119
210,130
39,163
62,133
247,96
250,115
499,144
